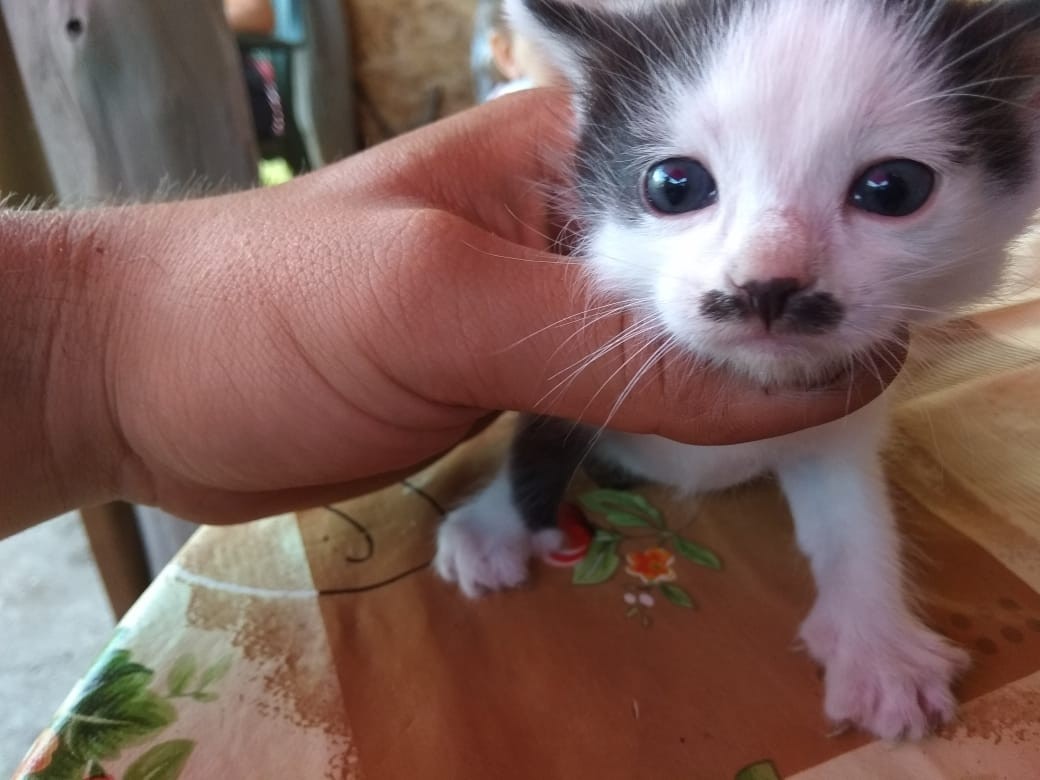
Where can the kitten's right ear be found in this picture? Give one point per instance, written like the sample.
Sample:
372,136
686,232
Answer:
569,34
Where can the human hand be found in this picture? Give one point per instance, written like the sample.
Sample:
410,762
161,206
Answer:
284,347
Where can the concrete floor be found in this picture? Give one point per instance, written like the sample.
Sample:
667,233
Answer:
55,619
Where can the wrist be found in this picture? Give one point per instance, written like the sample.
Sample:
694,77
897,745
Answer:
57,289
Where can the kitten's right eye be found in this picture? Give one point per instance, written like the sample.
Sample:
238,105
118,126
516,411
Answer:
893,188
678,185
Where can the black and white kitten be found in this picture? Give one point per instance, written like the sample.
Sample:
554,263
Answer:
778,185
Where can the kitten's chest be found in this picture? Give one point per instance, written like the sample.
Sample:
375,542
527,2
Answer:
698,469
690,468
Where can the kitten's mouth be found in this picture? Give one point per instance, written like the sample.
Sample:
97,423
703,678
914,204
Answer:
823,380
785,363
838,376
803,363
881,358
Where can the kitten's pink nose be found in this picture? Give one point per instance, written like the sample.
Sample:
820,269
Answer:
768,299
784,248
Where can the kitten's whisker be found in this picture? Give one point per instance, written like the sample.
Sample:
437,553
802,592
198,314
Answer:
555,260
633,331
637,329
603,311
600,353
549,240
629,386
986,82
850,370
945,42
625,333
902,307
986,44
951,95
637,377
871,366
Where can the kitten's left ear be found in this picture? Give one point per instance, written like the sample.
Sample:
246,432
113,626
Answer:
577,39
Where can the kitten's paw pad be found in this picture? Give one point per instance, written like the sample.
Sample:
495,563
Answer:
482,555
896,688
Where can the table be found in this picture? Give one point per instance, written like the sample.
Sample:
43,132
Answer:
320,645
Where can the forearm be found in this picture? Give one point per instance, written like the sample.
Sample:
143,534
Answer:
59,450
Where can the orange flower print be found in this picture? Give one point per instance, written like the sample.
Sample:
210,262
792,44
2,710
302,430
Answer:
651,566
39,755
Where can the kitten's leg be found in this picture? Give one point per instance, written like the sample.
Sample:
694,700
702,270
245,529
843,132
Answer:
485,544
885,671
608,474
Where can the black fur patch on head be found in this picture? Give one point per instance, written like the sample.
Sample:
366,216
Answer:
987,53
989,60
625,58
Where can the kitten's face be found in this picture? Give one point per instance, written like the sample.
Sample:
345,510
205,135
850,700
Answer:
783,182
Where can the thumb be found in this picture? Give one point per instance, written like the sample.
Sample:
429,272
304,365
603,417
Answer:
527,333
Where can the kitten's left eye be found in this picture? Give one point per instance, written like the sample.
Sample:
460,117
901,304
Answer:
679,185
894,188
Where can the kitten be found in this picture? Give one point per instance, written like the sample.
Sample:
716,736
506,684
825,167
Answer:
783,184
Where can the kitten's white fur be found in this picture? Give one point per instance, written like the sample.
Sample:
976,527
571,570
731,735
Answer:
484,545
839,92
830,103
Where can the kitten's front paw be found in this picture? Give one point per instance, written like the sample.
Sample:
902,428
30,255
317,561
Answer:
894,683
480,552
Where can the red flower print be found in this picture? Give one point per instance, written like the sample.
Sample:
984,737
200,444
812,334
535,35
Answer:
576,537
651,565
40,754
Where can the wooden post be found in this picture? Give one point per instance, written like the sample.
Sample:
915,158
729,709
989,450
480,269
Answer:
323,85
23,170
118,552
134,98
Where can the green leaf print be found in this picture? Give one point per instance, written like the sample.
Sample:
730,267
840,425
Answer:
676,595
117,710
165,761
763,770
625,520
180,675
215,672
606,502
600,562
696,553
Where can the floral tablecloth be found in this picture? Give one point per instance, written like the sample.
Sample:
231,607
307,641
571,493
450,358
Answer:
320,645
